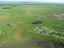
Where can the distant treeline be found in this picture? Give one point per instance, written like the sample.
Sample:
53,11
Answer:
30,3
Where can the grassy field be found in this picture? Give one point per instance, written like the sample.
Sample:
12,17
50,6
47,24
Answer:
16,28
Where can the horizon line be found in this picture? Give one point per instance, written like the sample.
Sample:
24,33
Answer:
32,1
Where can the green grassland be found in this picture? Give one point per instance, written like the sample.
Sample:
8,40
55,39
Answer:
21,17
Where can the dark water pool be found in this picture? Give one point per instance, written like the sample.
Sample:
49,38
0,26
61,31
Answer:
37,22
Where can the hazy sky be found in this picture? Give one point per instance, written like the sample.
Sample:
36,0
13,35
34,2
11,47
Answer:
61,1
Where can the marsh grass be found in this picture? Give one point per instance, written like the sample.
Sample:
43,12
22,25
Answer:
23,16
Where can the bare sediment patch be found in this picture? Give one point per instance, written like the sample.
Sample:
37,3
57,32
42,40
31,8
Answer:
60,16
45,31
46,44
10,25
55,16
40,43
2,11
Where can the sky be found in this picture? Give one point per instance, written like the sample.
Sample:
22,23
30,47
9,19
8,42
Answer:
58,1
